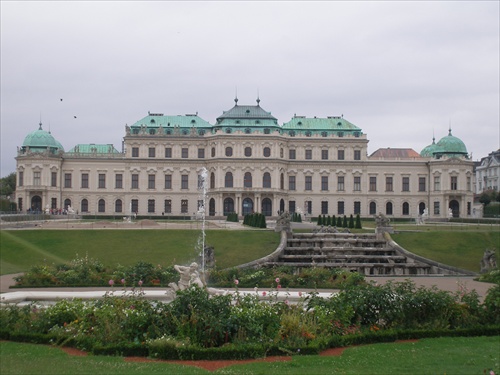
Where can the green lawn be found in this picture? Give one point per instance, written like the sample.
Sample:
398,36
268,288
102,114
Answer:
459,355
21,249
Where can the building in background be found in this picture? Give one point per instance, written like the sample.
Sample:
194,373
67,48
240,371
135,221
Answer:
315,166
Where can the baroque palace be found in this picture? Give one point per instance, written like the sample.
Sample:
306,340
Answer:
314,166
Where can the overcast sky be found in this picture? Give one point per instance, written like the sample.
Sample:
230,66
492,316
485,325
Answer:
400,70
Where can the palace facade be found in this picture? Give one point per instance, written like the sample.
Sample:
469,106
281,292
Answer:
315,166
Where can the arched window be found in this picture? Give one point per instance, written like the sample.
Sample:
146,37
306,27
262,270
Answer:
213,152
267,152
247,180
84,206
406,208
118,205
388,208
228,206
101,205
228,180
373,208
248,151
266,180
229,151
282,181
212,180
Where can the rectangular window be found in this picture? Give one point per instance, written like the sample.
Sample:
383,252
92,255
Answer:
102,181
340,183
454,182
469,186
309,154
67,180
291,182
53,179
357,183
184,152
135,205
291,206
388,184
340,208
20,180
421,184
37,178
168,206
324,207
118,181
373,183
184,181
406,183
437,183
135,152
152,152
53,203
308,183
324,154
151,206
184,206
201,153
291,154
168,152
324,183
436,208
469,208
357,208
85,180
340,154
135,181
357,154
20,203
151,181
168,181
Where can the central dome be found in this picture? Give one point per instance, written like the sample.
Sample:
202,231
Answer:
451,145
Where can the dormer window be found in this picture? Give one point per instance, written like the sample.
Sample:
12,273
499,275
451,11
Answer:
229,130
152,121
247,131
267,131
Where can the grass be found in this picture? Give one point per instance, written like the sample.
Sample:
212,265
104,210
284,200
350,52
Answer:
458,355
20,250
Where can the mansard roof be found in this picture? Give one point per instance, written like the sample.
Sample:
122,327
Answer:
93,148
395,153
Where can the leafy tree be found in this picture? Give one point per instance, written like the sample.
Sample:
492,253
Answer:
358,222
8,184
351,221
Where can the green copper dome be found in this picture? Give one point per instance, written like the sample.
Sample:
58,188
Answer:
428,151
41,140
451,145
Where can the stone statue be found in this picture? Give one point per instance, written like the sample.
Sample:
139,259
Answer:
489,261
190,276
283,222
382,220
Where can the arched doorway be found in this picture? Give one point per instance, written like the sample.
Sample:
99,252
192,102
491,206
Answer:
228,206
36,203
211,207
267,207
421,208
455,208
67,203
247,206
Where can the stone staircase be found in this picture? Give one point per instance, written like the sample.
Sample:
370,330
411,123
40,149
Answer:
368,254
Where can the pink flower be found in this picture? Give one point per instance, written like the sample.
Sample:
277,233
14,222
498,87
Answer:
300,294
277,280
236,281
279,286
123,281
286,302
140,283
111,282
264,294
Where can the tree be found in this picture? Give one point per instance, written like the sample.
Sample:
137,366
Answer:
487,196
8,184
